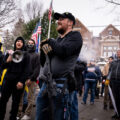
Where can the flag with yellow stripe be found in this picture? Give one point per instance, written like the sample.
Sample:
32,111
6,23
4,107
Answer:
2,76
1,42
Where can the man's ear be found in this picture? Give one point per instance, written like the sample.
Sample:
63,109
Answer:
70,23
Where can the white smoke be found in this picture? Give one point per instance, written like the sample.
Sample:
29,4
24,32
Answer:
88,54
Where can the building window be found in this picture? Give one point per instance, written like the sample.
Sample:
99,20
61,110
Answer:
115,48
110,32
105,54
109,54
105,48
109,48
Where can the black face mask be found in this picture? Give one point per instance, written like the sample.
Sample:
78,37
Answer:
30,47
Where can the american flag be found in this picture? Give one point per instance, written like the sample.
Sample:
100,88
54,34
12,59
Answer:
50,11
37,35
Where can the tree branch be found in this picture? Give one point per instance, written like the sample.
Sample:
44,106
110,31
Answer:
8,12
113,2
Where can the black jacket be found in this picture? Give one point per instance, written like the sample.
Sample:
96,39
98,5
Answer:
65,52
79,68
114,71
34,65
17,72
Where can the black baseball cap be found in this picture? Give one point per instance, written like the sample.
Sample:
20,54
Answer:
65,15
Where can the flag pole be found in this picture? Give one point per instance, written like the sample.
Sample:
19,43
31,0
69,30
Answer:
39,38
49,28
50,10
49,74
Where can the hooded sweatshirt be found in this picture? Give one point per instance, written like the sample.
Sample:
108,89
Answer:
34,62
18,72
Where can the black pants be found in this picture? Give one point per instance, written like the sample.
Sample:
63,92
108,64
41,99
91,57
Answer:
9,89
116,93
97,90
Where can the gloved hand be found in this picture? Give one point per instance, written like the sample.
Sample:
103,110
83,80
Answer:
46,48
43,42
107,82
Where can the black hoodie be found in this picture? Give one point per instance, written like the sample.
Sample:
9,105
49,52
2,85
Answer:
34,62
18,72
20,38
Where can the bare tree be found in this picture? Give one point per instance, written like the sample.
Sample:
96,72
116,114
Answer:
108,7
7,12
116,2
33,9
18,28
8,40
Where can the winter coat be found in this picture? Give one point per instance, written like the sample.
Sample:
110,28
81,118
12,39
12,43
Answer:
114,71
18,72
34,65
79,68
105,70
92,72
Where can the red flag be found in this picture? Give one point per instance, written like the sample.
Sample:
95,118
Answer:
50,11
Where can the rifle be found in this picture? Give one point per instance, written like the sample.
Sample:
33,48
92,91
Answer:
50,90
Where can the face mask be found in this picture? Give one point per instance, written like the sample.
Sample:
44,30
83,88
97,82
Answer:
30,45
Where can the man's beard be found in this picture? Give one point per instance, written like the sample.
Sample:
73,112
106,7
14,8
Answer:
61,31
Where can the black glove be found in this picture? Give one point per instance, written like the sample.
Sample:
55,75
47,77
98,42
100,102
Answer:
46,48
43,42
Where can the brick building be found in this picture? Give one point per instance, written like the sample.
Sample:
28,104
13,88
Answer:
104,45
87,39
86,34
109,41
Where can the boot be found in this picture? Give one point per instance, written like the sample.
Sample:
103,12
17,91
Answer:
115,116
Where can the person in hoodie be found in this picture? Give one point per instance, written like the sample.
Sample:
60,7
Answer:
31,82
17,74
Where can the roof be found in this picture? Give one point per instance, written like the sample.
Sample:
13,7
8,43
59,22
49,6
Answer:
110,26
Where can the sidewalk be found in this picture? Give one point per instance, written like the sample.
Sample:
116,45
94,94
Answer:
86,112
94,112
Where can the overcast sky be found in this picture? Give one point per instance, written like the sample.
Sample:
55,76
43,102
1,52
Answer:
89,12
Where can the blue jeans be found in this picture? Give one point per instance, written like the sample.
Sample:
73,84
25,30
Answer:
25,101
89,84
74,106
61,106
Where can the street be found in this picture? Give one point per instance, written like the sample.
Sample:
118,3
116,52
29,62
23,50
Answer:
94,112
86,112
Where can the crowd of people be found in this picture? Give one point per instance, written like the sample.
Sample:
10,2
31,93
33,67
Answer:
61,74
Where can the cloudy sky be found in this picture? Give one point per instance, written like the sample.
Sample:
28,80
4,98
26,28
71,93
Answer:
89,12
